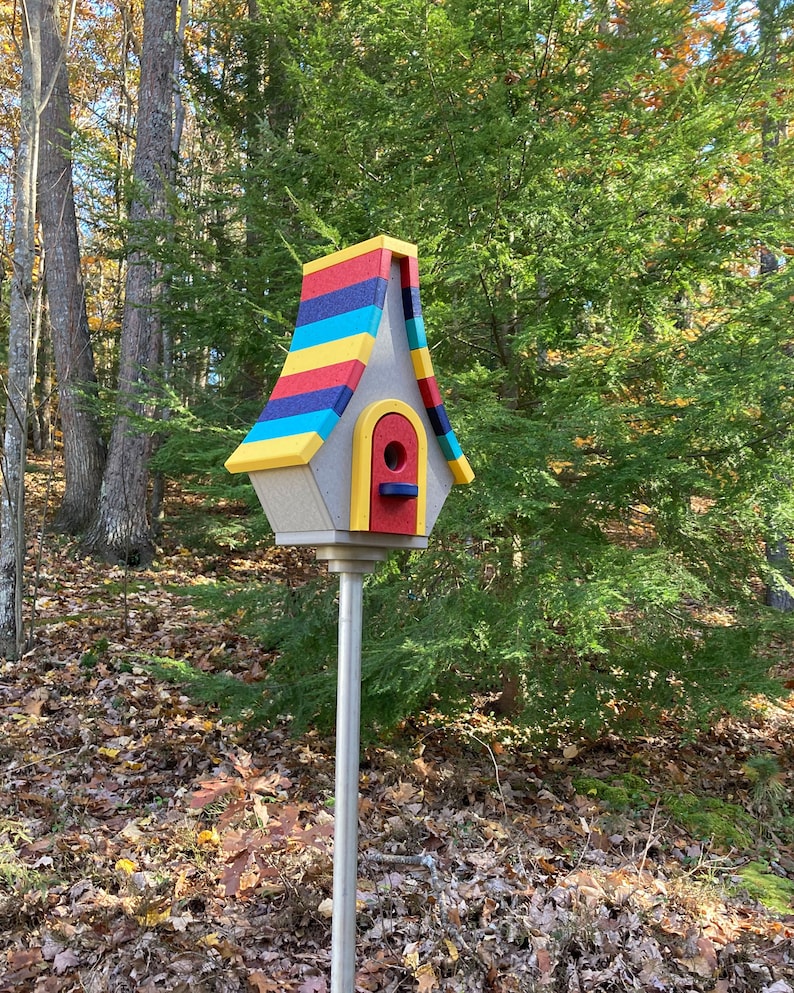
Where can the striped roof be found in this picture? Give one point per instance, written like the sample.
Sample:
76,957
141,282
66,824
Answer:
340,310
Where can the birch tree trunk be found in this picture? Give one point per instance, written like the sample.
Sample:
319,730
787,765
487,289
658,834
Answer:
83,449
120,530
12,460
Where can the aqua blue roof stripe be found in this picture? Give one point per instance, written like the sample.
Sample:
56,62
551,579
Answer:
362,321
321,422
415,328
450,446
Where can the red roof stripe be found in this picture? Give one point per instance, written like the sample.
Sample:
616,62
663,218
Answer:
339,374
431,397
409,271
337,277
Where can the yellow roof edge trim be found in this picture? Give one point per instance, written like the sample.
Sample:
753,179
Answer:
462,472
400,249
275,453
422,363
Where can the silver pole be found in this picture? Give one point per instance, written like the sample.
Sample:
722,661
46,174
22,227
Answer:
348,713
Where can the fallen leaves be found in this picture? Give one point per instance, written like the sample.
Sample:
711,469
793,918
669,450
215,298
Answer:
144,839
700,956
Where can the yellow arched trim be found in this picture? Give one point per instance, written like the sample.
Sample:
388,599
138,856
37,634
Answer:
362,461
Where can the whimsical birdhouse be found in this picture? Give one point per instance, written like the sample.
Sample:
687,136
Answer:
354,447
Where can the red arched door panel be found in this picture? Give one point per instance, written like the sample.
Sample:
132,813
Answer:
394,483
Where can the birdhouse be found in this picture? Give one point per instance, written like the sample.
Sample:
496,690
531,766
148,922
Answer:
354,449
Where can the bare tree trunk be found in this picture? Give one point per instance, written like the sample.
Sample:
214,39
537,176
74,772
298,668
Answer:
780,585
83,449
158,482
780,588
780,593
12,461
40,438
121,531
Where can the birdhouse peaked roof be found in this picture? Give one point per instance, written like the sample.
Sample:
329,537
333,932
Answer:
341,304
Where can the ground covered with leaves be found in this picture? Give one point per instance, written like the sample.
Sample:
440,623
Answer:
148,843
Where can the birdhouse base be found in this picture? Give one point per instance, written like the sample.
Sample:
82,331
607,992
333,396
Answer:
351,551
352,539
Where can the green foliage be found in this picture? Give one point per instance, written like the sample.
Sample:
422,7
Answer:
18,877
589,193
706,818
769,798
233,698
433,638
91,658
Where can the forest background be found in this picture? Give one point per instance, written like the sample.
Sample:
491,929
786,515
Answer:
601,196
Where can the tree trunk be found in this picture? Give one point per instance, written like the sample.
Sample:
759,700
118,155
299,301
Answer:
121,530
39,437
12,461
83,449
158,482
781,580
780,592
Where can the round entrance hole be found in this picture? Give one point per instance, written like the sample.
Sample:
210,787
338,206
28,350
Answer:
394,456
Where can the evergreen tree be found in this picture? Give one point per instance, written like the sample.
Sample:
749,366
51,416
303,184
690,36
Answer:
577,178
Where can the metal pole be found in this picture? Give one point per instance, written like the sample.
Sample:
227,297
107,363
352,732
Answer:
348,714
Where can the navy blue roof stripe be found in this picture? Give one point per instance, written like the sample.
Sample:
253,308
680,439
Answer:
334,398
411,304
439,420
369,293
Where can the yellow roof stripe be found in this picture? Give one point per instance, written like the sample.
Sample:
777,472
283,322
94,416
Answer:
274,453
357,346
422,363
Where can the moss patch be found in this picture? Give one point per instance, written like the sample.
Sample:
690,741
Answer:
620,793
725,825
775,893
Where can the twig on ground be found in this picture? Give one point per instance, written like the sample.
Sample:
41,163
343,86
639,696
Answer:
651,839
423,861
488,748
45,758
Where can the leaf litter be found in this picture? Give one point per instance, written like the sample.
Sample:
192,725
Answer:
149,844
